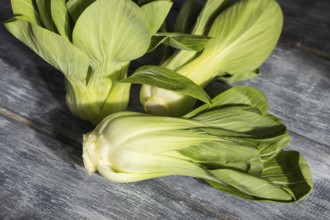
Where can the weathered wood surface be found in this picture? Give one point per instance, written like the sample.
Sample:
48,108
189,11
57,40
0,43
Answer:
41,173
307,26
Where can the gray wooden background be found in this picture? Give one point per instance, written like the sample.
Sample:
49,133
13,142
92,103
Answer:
41,171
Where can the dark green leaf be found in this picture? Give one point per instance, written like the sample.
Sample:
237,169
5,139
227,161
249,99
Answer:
181,41
240,95
167,79
187,16
232,78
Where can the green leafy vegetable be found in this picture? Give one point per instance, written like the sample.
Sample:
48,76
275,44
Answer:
242,37
234,145
91,43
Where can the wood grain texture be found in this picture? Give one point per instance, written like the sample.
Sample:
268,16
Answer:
298,88
41,173
307,26
42,178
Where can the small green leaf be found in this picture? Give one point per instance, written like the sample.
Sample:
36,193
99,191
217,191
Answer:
156,12
167,79
58,53
244,35
240,95
61,18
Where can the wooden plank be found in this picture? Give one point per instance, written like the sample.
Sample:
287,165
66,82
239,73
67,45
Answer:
42,178
316,206
298,88
307,26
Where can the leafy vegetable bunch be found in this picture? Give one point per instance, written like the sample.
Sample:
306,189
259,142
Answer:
231,141
241,37
91,43
233,144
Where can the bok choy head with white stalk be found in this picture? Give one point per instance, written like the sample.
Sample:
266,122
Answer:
91,43
234,145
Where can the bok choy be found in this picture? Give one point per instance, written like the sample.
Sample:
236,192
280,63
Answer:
233,144
91,43
242,36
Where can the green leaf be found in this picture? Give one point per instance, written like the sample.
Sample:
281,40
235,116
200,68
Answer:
290,171
221,153
286,178
44,14
118,33
248,186
269,149
58,53
24,9
240,95
61,18
156,12
180,41
187,16
244,35
167,79
210,11
243,120
77,7
155,42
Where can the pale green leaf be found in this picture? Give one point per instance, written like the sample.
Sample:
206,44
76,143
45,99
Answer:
24,9
244,35
61,18
167,79
156,12
111,31
211,9
290,170
53,48
43,12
